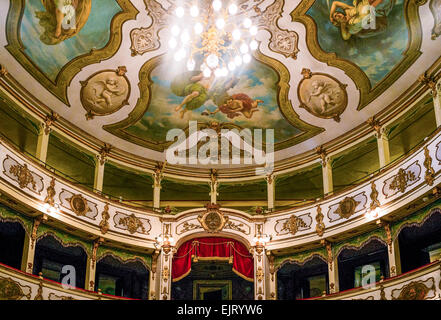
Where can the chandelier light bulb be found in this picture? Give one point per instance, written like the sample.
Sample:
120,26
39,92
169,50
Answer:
220,23
198,28
212,61
218,72
236,34
185,37
191,64
179,12
244,48
253,45
207,72
179,55
246,58
224,72
175,30
172,43
231,65
247,23
232,9
253,30
194,11
217,5
238,61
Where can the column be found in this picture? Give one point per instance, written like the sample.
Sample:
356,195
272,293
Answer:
260,272
326,163
327,176
271,191
383,147
154,278
214,184
393,252
43,142
437,103
91,266
27,261
157,179
100,166
271,277
332,268
165,279
43,136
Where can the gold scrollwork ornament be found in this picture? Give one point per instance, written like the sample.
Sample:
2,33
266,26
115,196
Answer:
212,220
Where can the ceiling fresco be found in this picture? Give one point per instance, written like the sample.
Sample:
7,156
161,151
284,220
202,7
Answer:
318,71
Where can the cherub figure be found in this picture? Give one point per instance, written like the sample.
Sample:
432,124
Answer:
74,14
322,91
104,90
237,104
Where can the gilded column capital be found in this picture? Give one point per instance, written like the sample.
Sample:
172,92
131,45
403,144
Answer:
48,121
430,82
104,153
158,174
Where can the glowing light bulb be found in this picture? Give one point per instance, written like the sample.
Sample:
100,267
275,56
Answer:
207,72
253,45
175,30
244,48
231,65
191,64
220,23
180,54
247,23
236,34
246,58
217,72
232,9
194,11
198,28
253,30
217,5
179,12
185,37
203,66
224,72
238,61
212,61
172,43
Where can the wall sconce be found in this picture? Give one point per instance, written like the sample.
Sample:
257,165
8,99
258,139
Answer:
166,242
260,240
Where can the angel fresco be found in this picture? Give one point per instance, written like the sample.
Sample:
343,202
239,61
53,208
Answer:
62,19
351,19
197,89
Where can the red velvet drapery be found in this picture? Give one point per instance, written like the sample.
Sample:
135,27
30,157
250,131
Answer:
213,248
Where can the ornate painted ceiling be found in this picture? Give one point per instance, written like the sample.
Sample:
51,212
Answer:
311,79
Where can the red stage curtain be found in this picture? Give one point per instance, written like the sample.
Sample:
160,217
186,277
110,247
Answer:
213,248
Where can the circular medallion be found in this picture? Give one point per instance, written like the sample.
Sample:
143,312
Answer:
79,205
105,92
322,95
346,207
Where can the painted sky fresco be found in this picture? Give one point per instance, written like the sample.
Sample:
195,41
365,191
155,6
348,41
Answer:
375,55
94,34
256,80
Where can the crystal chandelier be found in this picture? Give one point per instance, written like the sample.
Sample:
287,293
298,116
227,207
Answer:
218,36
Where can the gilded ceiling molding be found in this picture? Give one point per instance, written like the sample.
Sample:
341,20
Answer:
367,92
429,81
3,71
68,72
147,39
282,41
143,103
